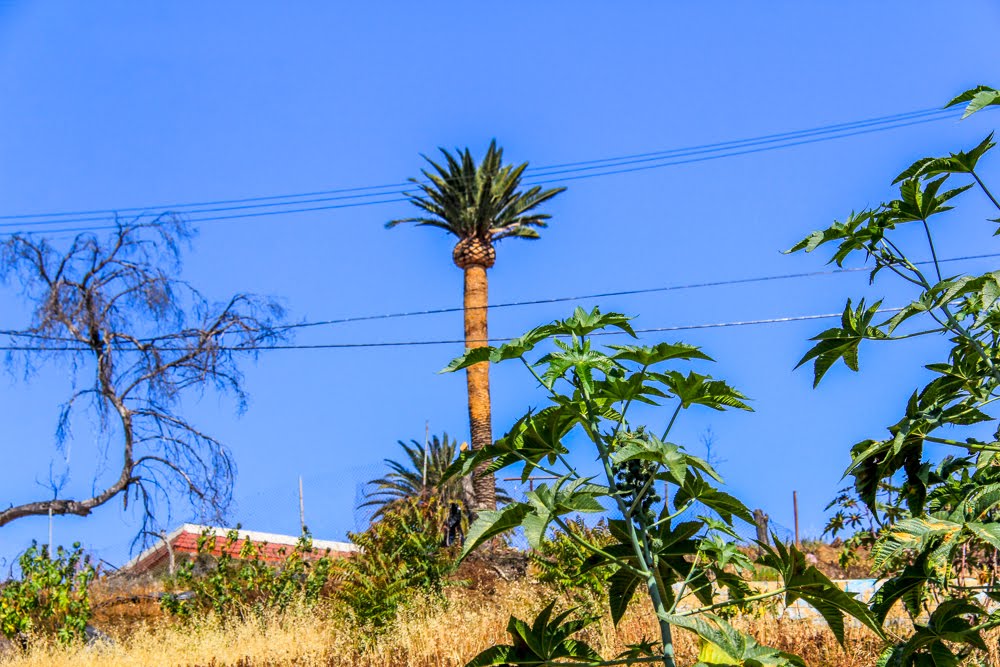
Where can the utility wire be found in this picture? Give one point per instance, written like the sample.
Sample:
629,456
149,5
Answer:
766,142
559,299
414,343
598,295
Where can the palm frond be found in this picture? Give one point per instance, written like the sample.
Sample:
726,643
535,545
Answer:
406,480
478,200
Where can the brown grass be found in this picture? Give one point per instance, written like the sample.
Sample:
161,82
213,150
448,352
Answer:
426,634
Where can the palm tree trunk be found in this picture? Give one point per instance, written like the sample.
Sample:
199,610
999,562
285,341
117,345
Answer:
478,381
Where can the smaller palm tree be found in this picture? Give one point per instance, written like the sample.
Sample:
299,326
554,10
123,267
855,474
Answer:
420,473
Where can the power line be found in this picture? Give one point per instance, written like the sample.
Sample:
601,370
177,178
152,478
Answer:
563,299
414,343
632,292
759,144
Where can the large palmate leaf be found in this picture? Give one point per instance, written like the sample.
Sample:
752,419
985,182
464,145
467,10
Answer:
491,523
978,98
920,201
547,641
909,586
695,488
583,323
512,349
843,342
805,582
547,503
957,163
722,644
650,355
578,357
950,625
697,389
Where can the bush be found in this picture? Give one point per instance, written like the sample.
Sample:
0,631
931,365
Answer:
50,598
245,585
560,560
401,555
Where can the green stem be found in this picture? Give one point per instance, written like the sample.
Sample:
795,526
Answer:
985,189
678,511
640,494
597,550
930,242
729,603
625,408
673,418
652,582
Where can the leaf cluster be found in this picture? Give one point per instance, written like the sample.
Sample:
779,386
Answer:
50,598
927,530
677,546
400,555
235,580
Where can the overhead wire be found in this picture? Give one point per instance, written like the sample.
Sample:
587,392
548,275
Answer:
563,299
414,343
603,167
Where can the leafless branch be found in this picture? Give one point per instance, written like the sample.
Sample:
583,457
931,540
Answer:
147,338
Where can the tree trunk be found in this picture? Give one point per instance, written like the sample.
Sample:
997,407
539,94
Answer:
478,381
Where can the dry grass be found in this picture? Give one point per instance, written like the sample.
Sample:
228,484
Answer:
426,634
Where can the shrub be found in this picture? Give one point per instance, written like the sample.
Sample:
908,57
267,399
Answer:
245,585
562,562
50,598
401,555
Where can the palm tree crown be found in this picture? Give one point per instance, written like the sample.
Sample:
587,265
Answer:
407,478
480,204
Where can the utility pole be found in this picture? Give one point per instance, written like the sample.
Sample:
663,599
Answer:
427,431
795,509
302,507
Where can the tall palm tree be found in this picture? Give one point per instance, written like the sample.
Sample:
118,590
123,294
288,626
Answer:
420,474
480,204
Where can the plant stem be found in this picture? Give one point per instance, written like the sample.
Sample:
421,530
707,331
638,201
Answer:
985,189
930,242
642,554
673,418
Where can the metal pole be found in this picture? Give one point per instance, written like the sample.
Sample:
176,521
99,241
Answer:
302,507
795,509
427,431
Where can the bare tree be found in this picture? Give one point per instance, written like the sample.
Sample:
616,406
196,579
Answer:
139,338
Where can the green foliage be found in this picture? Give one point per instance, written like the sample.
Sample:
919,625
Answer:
926,532
400,556
50,598
590,392
722,644
421,473
541,643
241,583
562,562
482,200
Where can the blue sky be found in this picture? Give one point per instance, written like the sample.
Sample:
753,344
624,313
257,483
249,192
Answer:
114,104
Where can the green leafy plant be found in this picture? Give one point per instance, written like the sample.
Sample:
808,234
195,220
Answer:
51,597
663,546
420,473
241,583
401,555
946,511
561,562
541,643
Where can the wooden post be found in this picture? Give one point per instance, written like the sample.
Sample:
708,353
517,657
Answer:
302,508
760,519
795,509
